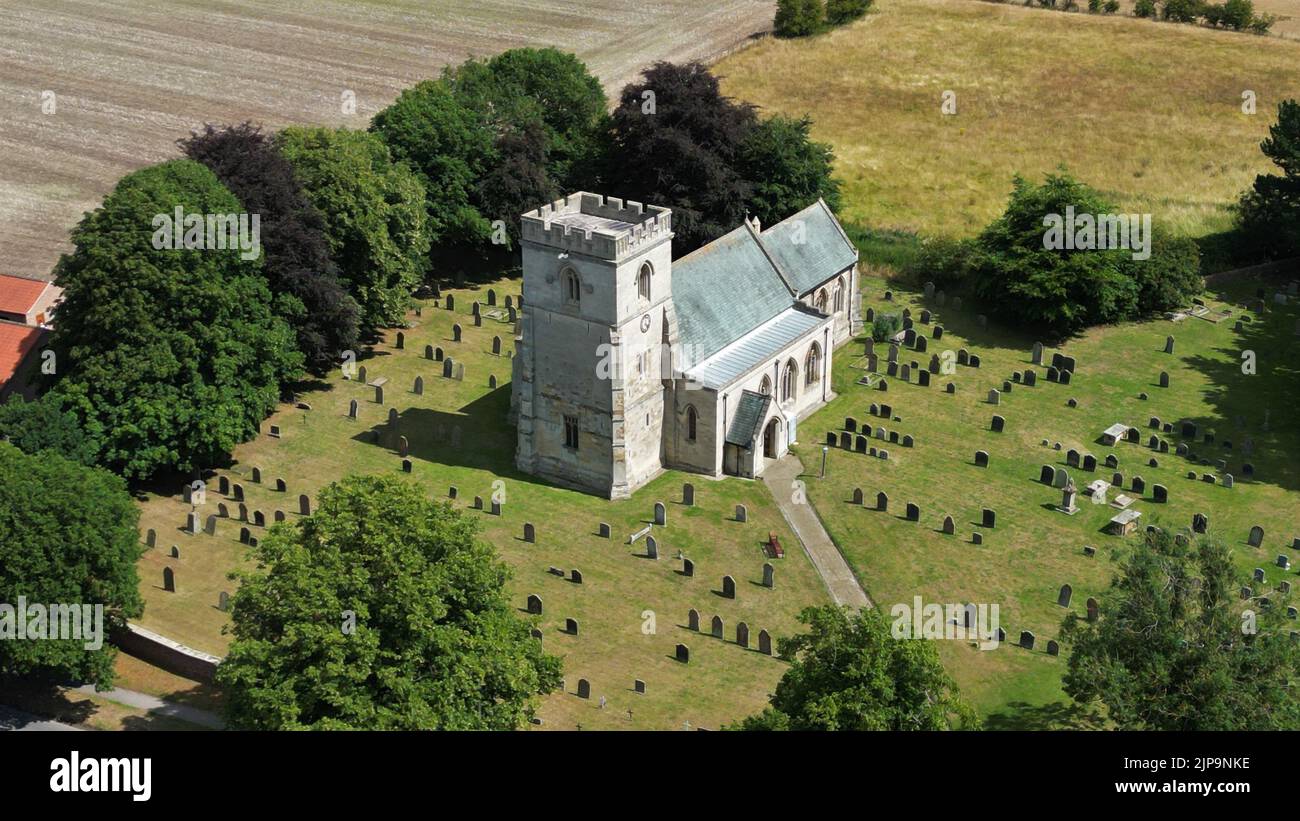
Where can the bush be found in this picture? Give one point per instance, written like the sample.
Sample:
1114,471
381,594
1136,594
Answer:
839,12
1145,8
1236,14
1111,6
1094,6
1183,11
798,18
885,326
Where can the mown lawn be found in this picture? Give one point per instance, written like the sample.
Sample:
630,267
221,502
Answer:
459,435
1033,549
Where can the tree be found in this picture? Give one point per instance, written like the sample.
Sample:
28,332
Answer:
676,141
884,326
1270,210
169,356
47,424
798,18
1183,11
518,181
786,169
450,146
849,673
68,537
544,86
382,611
1170,653
297,264
374,214
1027,273
839,12
1145,8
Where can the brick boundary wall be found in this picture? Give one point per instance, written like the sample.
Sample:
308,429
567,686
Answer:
162,652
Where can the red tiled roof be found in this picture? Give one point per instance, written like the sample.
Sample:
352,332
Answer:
18,294
15,343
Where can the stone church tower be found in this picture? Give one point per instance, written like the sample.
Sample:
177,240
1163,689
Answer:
589,376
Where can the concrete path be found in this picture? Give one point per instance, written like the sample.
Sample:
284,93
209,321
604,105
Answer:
839,579
157,706
11,719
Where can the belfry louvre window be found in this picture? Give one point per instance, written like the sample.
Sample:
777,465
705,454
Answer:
572,287
571,432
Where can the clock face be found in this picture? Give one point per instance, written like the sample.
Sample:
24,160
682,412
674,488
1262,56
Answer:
645,323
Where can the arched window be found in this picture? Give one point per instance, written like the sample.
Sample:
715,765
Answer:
789,381
643,281
820,303
812,365
839,295
765,387
572,286
690,424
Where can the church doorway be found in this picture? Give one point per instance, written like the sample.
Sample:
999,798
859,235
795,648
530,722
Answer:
770,434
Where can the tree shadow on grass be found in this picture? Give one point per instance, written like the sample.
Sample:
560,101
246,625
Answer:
1059,715
1241,402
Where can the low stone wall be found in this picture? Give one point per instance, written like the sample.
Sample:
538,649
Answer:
1280,269
169,655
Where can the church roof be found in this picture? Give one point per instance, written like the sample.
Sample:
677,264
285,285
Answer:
754,348
749,415
724,290
809,247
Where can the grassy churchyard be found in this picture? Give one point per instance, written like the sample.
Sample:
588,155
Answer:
458,435
1033,549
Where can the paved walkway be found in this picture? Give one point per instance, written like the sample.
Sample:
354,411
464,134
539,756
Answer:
830,565
157,706
13,719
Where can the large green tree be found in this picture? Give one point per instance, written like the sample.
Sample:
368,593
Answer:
1022,268
297,264
374,212
383,610
68,537
848,672
1270,210
170,356
1174,647
47,424
787,169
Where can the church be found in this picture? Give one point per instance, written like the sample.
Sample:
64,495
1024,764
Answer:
628,362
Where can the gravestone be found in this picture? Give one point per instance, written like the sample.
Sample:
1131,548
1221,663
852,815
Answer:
530,532
604,530
1159,493
742,635
981,459
688,568
857,496
571,626
401,340
428,352
661,514
715,627
995,397
418,387
765,642
1094,609
455,332
192,523
534,604
989,518
693,619
210,526
223,601
448,368
683,654
913,512
998,424
352,409
728,587
741,513
1047,475
1026,640
496,346
1053,649
1256,537
688,494
379,394
584,686
575,576
651,548
769,575
169,580
1169,344
151,538
949,526
882,501
637,684
1063,597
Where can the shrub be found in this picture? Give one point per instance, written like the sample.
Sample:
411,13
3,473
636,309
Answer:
798,18
839,12
1145,8
885,326
1183,11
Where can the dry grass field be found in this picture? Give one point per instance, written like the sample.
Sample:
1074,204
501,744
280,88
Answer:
129,77
1148,112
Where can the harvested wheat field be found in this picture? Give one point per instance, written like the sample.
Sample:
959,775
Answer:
129,77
